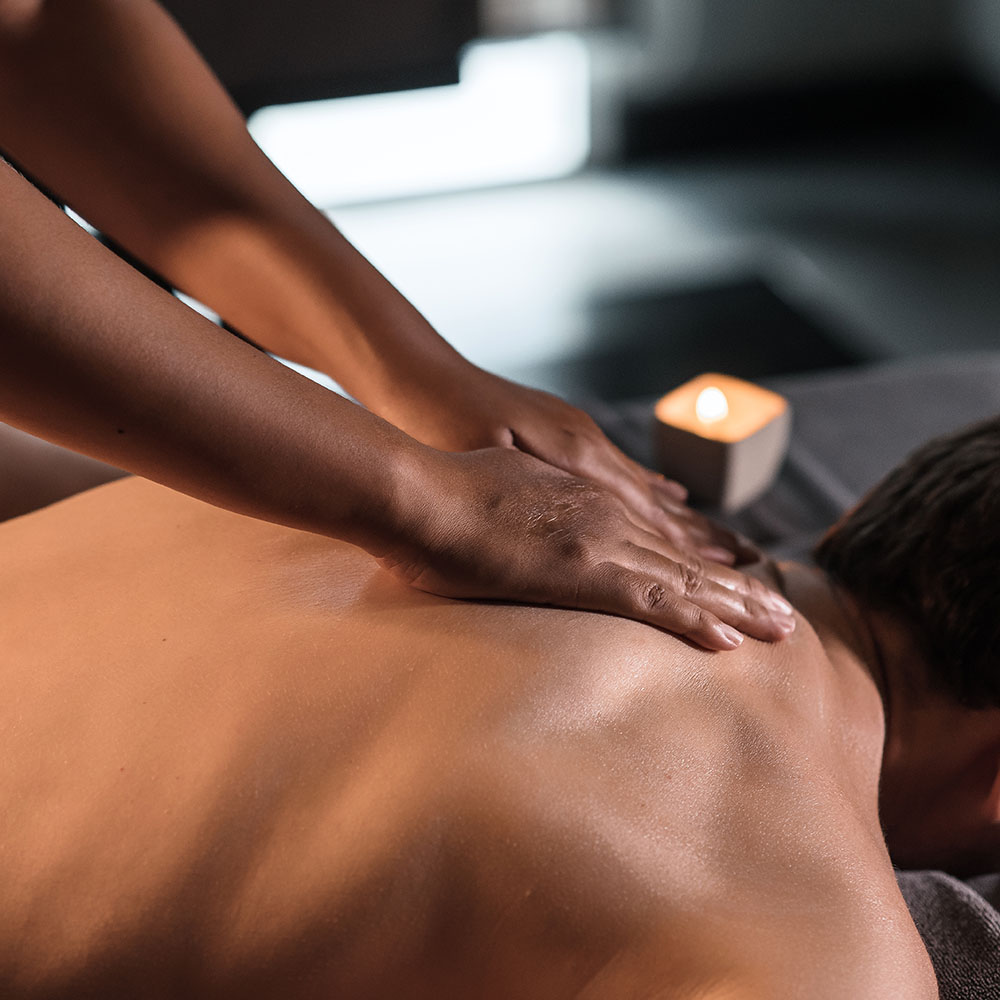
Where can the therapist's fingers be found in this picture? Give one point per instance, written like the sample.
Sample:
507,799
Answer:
644,597
689,528
668,488
691,532
748,588
509,527
653,500
739,600
674,597
738,549
663,510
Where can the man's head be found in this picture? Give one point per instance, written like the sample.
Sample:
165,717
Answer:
921,556
924,547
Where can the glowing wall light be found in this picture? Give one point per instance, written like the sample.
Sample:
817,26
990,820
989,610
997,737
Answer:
520,112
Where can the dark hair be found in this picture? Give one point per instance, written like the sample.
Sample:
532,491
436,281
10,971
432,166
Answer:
924,545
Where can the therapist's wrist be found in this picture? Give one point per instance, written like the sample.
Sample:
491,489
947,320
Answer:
395,514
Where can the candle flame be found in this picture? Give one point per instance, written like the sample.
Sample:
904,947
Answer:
711,405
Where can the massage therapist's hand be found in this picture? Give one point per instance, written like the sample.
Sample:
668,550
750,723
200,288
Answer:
500,524
472,409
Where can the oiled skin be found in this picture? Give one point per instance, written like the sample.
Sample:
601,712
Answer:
240,761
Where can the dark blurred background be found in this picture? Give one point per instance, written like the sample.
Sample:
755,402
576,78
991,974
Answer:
605,197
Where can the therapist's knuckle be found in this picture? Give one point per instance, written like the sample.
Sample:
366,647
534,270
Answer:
692,578
653,596
753,589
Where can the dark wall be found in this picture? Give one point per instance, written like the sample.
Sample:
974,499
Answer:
274,51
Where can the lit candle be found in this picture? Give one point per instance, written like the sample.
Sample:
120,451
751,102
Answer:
723,438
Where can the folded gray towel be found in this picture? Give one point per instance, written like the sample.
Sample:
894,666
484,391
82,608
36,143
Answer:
960,929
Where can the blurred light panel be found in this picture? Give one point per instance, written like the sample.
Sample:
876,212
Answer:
519,113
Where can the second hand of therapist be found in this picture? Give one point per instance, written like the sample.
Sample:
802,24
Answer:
494,491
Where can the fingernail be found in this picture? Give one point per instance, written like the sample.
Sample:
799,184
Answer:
719,555
777,603
786,625
674,489
729,636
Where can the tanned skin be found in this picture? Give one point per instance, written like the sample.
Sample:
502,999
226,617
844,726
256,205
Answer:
242,761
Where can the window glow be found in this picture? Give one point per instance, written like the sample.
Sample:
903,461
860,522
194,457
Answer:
520,112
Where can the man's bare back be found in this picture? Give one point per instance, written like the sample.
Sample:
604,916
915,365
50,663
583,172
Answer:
240,761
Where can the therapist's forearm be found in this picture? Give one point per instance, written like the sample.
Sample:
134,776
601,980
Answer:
94,357
109,105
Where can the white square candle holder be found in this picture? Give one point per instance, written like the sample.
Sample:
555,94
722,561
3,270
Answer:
722,438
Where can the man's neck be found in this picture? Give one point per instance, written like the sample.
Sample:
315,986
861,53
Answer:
846,629
852,645
938,786
849,635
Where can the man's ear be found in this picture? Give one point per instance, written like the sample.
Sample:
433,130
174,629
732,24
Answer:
978,846
990,762
992,809
978,784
